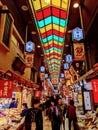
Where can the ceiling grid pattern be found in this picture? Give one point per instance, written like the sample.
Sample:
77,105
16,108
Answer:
51,18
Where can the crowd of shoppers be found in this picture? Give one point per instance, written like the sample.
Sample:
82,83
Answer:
56,111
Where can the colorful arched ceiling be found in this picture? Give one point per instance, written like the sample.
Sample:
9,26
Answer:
51,17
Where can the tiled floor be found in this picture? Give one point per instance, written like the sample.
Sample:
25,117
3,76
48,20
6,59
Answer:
47,124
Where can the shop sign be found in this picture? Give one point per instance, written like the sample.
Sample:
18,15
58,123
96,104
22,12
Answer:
30,47
95,89
29,60
66,66
87,101
54,81
77,34
69,58
67,74
6,88
79,52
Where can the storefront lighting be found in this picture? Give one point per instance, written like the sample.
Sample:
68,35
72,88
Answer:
76,5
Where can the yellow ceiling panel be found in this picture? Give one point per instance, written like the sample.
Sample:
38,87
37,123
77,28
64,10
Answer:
49,27
65,4
45,3
56,27
42,30
45,44
50,42
56,2
62,29
36,4
58,43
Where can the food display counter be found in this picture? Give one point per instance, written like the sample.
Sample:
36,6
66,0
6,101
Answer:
10,119
89,121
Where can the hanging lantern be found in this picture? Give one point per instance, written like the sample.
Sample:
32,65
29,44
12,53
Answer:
42,69
66,66
77,34
69,58
30,47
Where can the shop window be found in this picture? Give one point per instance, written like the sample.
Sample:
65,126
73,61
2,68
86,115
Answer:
7,29
6,22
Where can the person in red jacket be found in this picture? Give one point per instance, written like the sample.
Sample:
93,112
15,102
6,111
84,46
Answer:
72,115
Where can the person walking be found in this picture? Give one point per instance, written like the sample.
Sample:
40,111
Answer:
54,116
34,118
71,114
62,110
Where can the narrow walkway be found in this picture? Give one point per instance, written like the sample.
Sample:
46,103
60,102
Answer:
47,124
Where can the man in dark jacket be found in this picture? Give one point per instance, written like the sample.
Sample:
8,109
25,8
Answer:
13,103
34,119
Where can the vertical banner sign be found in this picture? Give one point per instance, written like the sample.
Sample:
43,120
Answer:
87,101
67,74
29,59
95,89
6,88
79,52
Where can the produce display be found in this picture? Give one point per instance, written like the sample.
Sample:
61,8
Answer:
89,121
9,119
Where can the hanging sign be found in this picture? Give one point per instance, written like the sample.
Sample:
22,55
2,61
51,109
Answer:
79,52
67,74
6,88
42,69
66,66
68,58
29,60
77,34
87,100
46,75
30,47
95,89
54,80
62,75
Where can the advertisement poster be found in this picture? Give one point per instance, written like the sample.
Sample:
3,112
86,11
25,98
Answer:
79,52
87,101
6,88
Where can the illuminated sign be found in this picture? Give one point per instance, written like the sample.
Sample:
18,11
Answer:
42,69
66,66
30,46
68,58
77,34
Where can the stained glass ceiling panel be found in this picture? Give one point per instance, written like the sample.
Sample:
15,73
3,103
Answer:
51,19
